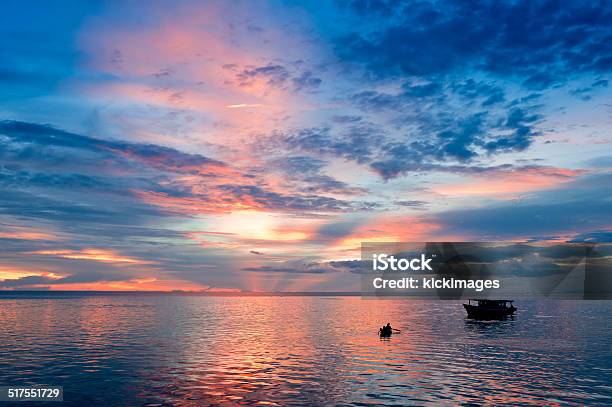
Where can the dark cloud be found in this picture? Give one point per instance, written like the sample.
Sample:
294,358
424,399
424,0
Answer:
20,178
85,277
306,80
391,169
164,73
581,205
601,83
25,281
335,230
324,184
440,142
413,95
281,202
487,93
344,119
412,204
543,43
461,145
376,101
88,192
356,143
307,266
445,142
352,266
30,205
520,125
436,132
453,66
47,139
145,168
274,75
305,176
598,236
585,92
96,276
299,164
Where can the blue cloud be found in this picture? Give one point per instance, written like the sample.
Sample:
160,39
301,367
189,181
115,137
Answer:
45,138
578,206
306,80
355,143
275,75
541,43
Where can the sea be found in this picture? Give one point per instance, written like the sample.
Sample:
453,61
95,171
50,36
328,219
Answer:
194,350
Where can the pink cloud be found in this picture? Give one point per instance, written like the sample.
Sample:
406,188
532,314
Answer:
191,59
507,184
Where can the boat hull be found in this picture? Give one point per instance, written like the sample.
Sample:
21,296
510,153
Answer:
488,313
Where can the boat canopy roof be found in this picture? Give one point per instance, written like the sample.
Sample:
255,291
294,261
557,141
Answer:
485,300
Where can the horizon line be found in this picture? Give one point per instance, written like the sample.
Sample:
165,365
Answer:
189,292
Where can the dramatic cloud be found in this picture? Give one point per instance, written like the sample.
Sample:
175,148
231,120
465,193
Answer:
580,205
28,138
256,146
543,43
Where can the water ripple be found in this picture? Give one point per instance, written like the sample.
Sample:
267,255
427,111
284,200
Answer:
182,350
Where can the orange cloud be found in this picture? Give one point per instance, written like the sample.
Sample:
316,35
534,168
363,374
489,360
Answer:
101,255
508,183
195,205
12,273
247,227
190,59
25,233
137,284
386,229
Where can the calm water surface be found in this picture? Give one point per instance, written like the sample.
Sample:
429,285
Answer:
193,350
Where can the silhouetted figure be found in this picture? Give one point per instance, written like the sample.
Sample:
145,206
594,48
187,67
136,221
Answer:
385,330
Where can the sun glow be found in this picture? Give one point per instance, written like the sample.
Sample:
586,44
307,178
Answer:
255,226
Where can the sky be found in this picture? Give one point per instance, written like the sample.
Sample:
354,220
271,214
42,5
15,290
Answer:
255,145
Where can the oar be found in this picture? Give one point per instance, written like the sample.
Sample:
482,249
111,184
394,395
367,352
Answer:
396,330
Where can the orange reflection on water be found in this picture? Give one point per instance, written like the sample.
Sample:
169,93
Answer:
185,350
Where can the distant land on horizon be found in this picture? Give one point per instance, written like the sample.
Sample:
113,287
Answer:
185,292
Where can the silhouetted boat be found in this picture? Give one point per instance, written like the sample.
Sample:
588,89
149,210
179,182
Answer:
489,309
387,331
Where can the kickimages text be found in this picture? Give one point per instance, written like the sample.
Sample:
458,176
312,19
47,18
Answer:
434,283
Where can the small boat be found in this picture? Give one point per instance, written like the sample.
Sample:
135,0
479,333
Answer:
387,331
384,334
489,309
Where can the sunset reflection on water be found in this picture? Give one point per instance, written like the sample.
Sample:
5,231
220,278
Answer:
193,350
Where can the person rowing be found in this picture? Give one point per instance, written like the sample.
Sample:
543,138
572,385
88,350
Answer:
387,330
